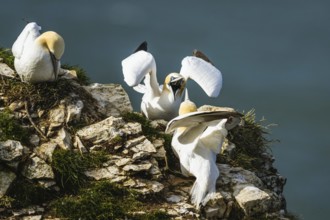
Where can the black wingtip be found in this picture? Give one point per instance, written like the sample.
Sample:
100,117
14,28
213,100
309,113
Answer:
201,55
142,46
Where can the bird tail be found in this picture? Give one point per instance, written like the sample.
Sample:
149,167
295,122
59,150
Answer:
204,187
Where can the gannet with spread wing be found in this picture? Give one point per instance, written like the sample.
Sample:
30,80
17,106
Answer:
162,102
197,140
37,57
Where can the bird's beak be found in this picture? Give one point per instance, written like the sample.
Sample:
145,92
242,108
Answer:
176,85
54,63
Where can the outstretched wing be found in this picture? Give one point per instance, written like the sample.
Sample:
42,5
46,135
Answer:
136,66
204,73
196,118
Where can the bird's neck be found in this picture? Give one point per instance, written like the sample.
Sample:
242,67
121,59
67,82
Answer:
154,83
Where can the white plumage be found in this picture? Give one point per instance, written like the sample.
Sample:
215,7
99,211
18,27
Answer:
197,139
162,102
37,57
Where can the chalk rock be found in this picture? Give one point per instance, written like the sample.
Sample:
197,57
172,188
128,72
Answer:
31,210
17,105
107,131
32,217
11,150
46,150
63,139
73,111
112,98
141,144
6,178
56,117
5,70
80,146
253,200
174,198
137,167
234,176
37,168
110,172
34,140
144,186
159,145
216,207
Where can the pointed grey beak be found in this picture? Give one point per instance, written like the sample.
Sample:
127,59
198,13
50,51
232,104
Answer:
55,63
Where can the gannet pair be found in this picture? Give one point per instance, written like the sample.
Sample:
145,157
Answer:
197,140
162,102
37,57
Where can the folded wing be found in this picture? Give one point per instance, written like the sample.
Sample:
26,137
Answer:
18,46
204,73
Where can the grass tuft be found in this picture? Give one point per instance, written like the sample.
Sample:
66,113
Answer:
11,129
102,200
69,168
7,57
250,142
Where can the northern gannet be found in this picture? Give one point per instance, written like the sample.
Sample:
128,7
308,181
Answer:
163,102
197,140
37,57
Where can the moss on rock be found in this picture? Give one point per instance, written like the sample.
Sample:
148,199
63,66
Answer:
7,57
11,129
102,200
69,167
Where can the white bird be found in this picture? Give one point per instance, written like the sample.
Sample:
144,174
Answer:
37,57
163,102
197,139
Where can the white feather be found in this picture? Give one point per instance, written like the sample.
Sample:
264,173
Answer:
136,66
205,74
33,63
27,36
197,150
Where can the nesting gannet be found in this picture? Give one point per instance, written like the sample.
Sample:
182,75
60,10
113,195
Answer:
162,102
37,57
197,139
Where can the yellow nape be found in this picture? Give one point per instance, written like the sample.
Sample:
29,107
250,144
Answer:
53,42
187,107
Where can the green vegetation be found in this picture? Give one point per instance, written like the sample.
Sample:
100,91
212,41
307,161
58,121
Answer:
7,57
24,193
102,200
250,142
10,128
82,77
6,202
69,168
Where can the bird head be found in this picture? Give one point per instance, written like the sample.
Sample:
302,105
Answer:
53,42
187,106
175,83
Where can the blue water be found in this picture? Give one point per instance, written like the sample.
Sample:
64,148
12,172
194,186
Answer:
274,56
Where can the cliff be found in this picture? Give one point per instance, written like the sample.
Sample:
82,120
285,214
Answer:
71,150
